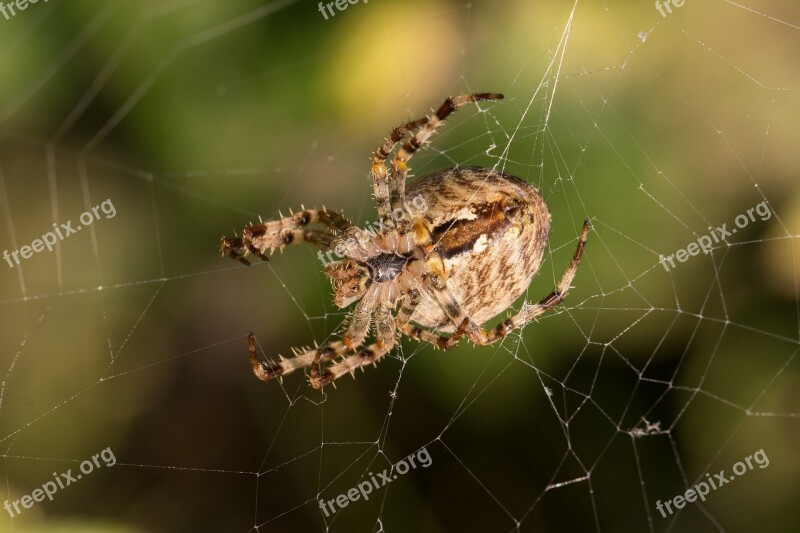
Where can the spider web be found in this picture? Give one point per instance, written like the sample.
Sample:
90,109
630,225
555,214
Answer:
196,117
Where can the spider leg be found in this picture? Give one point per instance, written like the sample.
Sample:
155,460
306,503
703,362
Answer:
438,290
238,248
439,341
270,370
313,358
352,339
278,233
260,244
403,322
385,328
386,196
400,164
408,307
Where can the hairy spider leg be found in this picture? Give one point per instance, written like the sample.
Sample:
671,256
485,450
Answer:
259,239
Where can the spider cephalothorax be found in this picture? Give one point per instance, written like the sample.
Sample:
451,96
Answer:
452,266
350,280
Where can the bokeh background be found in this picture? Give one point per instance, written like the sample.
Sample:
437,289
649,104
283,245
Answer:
195,117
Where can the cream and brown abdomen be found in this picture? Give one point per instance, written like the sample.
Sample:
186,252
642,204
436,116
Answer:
490,229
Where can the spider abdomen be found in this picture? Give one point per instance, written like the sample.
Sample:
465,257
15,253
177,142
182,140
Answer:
490,230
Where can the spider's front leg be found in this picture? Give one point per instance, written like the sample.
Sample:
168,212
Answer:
387,195
352,339
386,339
437,289
263,238
389,187
427,127
302,359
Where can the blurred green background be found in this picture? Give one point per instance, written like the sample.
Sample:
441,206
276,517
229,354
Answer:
196,117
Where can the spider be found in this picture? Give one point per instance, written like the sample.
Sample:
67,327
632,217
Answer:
463,260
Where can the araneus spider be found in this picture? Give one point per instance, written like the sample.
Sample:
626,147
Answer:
465,259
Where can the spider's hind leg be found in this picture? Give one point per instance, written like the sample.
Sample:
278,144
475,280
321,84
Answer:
403,323
476,333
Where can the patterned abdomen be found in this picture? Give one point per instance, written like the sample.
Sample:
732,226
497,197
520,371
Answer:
491,231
